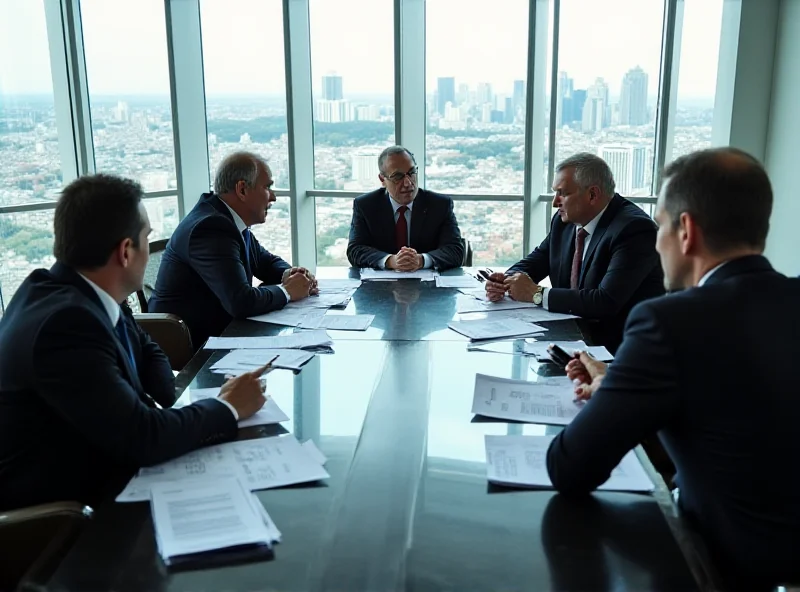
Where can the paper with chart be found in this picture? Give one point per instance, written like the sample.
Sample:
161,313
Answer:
426,275
466,281
262,463
550,401
298,340
240,361
341,322
494,328
290,317
270,413
539,349
521,461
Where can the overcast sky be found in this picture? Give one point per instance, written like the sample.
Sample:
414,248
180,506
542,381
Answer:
126,53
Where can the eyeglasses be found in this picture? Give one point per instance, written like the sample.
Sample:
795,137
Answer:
398,178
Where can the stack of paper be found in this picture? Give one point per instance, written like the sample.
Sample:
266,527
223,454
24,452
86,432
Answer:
475,301
464,282
270,413
494,328
521,461
539,349
426,275
551,401
291,317
262,463
321,301
340,322
299,340
346,285
240,361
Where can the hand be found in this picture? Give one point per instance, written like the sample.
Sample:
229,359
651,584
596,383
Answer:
588,372
521,287
495,288
298,285
406,259
245,392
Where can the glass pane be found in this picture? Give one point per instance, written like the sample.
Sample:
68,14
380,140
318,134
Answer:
607,94
26,243
333,230
493,228
276,234
352,66
245,110
163,214
30,162
129,95
697,76
475,78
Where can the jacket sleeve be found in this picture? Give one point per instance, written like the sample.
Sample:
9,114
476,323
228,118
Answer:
360,253
633,257
78,377
450,250
153,367
537,263
269,268
216,256
639,395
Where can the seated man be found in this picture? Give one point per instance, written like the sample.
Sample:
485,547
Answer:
79,381
206,273
731,432
600,254
401,226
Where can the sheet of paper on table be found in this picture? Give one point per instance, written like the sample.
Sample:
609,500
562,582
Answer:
246,360
270,413
426,275
291,317
297,340
548,401
495,328
539,349
341,322
465,281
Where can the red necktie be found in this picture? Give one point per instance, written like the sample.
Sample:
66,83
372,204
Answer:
577,258
401,229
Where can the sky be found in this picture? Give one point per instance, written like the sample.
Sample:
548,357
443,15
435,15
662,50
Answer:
354,38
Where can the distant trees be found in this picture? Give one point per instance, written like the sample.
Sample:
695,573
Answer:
34,244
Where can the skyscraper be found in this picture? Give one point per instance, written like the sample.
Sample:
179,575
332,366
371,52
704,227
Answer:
576,105
564,99
332,88
446,88
628,164
484,93
519,95
633,99
595,109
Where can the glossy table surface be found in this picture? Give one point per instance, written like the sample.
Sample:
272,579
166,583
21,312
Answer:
408,506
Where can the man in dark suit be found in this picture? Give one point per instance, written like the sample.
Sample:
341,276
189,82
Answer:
401,226
206,273
709,368
79,381
600,254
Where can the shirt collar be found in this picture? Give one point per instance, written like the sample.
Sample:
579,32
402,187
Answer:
589,228
237,219
709,273
110,305
396,206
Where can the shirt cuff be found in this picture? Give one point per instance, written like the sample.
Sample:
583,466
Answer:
285,293
545,299
428,261
382,262
231,407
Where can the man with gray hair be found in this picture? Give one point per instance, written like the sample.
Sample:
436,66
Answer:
206,274
600,254
401,226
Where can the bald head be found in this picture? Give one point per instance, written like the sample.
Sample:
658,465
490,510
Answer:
236,167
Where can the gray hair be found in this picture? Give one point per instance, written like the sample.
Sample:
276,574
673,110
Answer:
390,151
237,166
590,170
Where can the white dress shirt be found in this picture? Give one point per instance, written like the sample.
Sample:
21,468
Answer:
427,259
237,219
707,275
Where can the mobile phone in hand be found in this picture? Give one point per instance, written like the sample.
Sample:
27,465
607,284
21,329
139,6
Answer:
484,274
559,355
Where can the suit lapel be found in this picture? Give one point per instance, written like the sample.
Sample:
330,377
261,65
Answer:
133,376
386,216
597,235
418,218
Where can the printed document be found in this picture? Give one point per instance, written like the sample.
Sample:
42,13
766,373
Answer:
290,317
270,413
298,340
465,281
240,361
494,328
426,275
341,322
551,401
539,349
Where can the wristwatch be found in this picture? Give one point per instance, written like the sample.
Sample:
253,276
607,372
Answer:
538,296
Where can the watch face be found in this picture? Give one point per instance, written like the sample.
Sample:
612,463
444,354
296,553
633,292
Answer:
537,298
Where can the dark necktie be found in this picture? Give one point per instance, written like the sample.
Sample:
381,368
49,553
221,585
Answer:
246,237
577,258
401,229
122,333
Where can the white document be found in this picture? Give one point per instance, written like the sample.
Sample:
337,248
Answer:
551,401
270,413
290,317
262,463
539,349
521,461
467,303
274,533
426,275
314,452
320,301
195,517
349,285
246,360
298,340
494,329
465,281
357,322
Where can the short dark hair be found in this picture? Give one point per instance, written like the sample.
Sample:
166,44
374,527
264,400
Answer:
727,193
387,152
93,215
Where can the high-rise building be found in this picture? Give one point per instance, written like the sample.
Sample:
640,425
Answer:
333,111
332,88
446,89
509,111
486,113
596,112
121,112
484,93
462,96
365,167
519,95
564,99
633,99
629,166
576,105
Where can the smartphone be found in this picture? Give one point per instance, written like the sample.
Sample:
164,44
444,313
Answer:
559,355
483,275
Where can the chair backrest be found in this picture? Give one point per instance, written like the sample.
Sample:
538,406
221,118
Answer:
171,334
34,540
151,272
467,261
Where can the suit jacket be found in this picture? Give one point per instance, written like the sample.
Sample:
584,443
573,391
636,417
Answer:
75,417
206,278
712,369
620,269
434,229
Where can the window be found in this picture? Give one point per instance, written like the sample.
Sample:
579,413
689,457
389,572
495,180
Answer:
245,82
26,243
609,57
493,228
352,63
163,215
129,92
333,230
276,234
475,79
697,76
30,162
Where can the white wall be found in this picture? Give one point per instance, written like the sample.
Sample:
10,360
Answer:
783,143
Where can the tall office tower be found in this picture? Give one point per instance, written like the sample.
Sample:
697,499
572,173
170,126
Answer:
332,88
519,95
628,164
365,167
576,104
446,89
596,109
121,112
462,96
633,99
484,93
486,113
333,111
510,112
564,99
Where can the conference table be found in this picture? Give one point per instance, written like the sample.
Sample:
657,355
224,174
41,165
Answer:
407,505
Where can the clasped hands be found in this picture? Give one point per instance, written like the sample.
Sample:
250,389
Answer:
519,286
299,282
406,259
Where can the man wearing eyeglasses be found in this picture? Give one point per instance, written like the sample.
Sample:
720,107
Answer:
401,226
